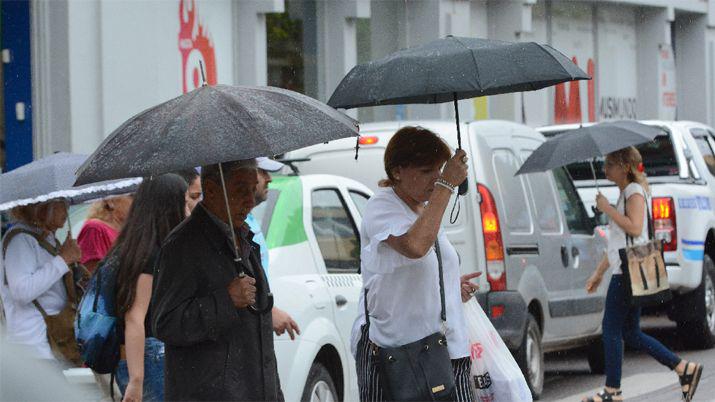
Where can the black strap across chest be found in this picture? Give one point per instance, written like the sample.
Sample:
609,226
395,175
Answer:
443,311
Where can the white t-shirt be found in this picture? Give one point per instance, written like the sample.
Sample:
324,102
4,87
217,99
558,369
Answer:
32,274
403,293
616,235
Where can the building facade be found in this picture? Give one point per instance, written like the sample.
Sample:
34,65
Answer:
74,70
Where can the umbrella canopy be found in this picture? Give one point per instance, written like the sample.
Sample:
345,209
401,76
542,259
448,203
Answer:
51,178
454,68
587,143
214,124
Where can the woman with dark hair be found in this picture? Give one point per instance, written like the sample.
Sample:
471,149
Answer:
194,193
401,249
159,206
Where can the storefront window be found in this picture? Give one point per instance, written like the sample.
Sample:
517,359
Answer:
292,47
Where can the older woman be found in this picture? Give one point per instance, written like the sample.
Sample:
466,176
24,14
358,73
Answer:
33,291
105,220
400,263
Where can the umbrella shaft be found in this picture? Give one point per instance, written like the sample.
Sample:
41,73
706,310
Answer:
228,211
456,117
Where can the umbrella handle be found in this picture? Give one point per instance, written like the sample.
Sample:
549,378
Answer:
464,187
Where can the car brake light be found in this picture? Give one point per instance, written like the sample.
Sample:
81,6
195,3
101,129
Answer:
493,244
368,140
497,311
664,222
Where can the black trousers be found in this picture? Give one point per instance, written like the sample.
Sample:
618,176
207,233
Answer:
368,374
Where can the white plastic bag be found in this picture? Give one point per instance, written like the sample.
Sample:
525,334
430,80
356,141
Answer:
495,375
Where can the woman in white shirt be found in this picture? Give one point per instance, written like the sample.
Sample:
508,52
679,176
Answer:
31,273
621,321
399,264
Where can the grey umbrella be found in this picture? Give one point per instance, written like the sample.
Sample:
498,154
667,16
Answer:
454,68
586,143
51,178
214,124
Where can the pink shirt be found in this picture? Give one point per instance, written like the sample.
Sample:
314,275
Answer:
95,240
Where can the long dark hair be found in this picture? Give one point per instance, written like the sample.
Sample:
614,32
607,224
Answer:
159,206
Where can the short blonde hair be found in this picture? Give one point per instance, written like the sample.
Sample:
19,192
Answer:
100,210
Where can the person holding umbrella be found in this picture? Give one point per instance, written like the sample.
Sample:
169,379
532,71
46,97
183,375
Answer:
410,269
621,320
41,280
37,284
212,307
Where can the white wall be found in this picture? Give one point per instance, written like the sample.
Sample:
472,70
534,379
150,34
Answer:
121,57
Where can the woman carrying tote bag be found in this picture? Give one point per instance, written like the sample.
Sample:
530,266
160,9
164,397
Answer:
628,230
410,340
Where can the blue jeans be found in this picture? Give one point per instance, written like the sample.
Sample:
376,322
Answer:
622,321
153,371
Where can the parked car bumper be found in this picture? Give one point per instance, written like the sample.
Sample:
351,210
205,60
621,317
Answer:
684,269
511,323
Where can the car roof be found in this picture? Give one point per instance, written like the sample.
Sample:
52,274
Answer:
685,124
445,128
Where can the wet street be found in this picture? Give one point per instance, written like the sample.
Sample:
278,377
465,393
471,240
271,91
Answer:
568,378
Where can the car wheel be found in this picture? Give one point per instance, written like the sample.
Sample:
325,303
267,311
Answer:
530,357
700,333
319,387
596,356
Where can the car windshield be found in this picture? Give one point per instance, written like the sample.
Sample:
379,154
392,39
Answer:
659,160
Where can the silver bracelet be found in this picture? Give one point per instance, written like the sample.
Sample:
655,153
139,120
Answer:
445,184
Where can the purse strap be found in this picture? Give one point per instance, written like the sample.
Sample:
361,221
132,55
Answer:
443,311
651,229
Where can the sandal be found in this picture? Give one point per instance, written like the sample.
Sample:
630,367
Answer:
605,396
690,379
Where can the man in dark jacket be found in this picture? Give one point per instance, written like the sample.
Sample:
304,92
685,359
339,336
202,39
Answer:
216,323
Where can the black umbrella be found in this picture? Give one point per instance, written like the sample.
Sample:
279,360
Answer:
214,124
588,143
454,68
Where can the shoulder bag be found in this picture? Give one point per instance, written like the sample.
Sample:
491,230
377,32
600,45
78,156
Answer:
421,370
644,273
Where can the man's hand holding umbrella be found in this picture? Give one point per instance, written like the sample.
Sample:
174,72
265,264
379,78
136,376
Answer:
242,290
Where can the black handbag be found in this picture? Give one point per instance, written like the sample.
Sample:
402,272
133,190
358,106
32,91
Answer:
645,277
421,370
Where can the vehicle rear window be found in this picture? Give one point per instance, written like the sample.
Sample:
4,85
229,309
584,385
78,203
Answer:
512,191
659,160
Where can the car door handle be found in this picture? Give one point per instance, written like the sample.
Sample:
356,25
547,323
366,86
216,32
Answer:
564,256
340,300
575,254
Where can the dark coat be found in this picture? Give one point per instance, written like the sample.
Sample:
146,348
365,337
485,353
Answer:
213,350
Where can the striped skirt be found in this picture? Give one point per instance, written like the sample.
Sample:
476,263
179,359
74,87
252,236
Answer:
368,374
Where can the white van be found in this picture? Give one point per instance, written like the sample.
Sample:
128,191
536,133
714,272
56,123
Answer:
530,234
